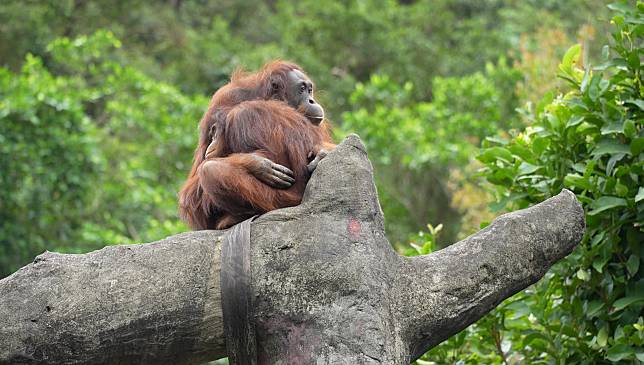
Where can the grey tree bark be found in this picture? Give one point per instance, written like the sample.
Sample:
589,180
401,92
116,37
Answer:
326,285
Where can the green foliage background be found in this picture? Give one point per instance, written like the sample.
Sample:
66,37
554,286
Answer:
99,104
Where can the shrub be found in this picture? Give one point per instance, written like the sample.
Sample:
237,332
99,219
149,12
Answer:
588,309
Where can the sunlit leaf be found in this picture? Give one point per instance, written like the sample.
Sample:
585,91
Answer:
640,195
569,60
637,102
602,337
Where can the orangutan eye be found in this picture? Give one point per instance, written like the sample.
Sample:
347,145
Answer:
302,87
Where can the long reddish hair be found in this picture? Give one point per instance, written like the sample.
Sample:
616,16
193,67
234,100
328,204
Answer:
249,115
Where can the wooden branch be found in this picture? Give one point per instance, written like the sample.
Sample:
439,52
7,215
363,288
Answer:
327,288
156,303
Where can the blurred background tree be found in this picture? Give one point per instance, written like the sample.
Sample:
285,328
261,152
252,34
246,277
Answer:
100,100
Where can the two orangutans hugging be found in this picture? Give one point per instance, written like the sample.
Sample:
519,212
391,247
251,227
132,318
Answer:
260,139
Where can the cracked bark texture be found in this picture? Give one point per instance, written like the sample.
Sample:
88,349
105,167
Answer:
327,287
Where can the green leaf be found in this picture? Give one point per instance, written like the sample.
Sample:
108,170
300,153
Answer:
620,7
619,352
583,275
612,161
605,52
627,301
584,80
610,147
554,121
575,120
590,168
594,88
613,128
534,336
633,264
601,261
579,167
571,56
568,62
638,102
540,144
594,308
619,333
619,20
640,356
637,146
548,97
527,169
602,337
495,139
572,180
606,203
598,238
640,195
521,151
494,153
621,189
634,60
629,128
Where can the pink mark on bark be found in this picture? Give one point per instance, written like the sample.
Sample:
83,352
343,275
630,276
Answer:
354,228
296,352
297,341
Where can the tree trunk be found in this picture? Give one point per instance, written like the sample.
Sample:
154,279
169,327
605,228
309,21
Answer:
326,287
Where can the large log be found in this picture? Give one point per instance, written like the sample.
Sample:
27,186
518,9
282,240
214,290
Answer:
326,286
157,303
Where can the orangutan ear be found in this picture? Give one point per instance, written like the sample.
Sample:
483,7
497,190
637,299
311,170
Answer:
278,85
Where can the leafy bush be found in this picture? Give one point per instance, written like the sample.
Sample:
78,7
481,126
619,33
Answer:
48,159
147,132
94,154
588,309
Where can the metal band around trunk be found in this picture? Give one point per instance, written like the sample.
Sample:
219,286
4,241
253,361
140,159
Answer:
236,296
